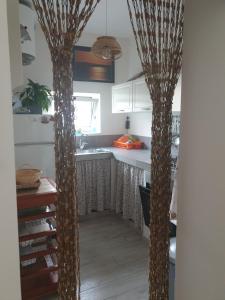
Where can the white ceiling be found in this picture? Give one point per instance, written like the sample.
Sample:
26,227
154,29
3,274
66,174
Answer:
118,19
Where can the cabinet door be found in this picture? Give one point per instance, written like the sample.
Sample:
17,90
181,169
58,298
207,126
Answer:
122,98
15,52
141,96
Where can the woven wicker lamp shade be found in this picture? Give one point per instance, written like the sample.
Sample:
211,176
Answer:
107,47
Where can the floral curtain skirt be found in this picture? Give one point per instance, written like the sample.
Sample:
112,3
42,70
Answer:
94,185
107,184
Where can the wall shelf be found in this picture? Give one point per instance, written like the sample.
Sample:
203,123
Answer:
37,238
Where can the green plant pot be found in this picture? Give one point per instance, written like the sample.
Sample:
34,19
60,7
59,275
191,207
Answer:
35,110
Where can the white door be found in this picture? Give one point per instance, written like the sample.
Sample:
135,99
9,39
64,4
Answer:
141,96
122,98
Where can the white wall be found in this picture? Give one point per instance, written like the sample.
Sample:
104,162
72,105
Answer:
41,70
141,123
134,65
9,259
201,205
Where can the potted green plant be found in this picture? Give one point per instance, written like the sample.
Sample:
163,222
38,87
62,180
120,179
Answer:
36,97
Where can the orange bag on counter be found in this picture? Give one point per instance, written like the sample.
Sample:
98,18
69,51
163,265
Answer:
128,142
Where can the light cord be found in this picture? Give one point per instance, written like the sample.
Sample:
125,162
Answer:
106,16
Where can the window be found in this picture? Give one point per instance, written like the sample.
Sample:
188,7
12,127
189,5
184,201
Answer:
87,113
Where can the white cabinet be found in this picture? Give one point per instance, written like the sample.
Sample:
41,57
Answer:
131,96
122,98
14,44
141,96
27,27
134,96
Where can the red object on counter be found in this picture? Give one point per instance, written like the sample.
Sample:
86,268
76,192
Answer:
128,142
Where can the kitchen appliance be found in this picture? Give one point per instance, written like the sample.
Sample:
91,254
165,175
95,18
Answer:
34,143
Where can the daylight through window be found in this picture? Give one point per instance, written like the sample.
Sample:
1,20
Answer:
87,113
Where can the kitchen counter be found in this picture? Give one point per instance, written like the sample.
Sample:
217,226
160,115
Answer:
102,166
137,158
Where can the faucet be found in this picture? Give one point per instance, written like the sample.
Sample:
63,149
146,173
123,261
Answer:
83,141
176,140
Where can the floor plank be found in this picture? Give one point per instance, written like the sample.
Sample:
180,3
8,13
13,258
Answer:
114,263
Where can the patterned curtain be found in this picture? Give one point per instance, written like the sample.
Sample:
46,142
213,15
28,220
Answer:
62,22
158,30
127,200
94,185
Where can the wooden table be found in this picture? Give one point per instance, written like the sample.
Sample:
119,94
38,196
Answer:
38,279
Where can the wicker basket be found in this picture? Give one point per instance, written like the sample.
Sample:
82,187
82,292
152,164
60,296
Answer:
27,176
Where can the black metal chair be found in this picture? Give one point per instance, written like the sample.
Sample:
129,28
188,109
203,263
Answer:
145,201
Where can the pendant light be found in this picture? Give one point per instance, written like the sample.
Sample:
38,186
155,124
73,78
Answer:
107,47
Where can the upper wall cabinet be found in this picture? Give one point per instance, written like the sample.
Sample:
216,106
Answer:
141,96
14,44
132,96
27,30
122,98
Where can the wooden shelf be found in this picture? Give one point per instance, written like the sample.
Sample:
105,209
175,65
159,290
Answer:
44,195
40,278
37,201
36,269
40,286
47,270
37,254
49,233
44,215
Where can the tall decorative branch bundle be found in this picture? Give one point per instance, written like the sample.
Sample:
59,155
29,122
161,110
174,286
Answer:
158,30
62,22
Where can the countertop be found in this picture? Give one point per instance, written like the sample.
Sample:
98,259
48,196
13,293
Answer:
137,158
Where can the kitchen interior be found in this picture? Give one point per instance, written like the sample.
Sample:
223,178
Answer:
113,115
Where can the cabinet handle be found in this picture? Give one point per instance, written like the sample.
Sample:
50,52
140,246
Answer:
147,108
122,110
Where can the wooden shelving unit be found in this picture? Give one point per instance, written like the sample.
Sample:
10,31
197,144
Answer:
37,238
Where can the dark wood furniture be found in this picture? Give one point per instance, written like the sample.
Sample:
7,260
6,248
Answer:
36,211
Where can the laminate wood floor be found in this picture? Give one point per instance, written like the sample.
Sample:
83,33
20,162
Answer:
114,260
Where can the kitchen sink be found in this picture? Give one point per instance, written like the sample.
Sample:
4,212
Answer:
92,151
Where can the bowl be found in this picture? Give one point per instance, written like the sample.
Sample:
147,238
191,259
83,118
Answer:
27,176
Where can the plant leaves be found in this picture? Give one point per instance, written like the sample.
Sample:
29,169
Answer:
36,93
